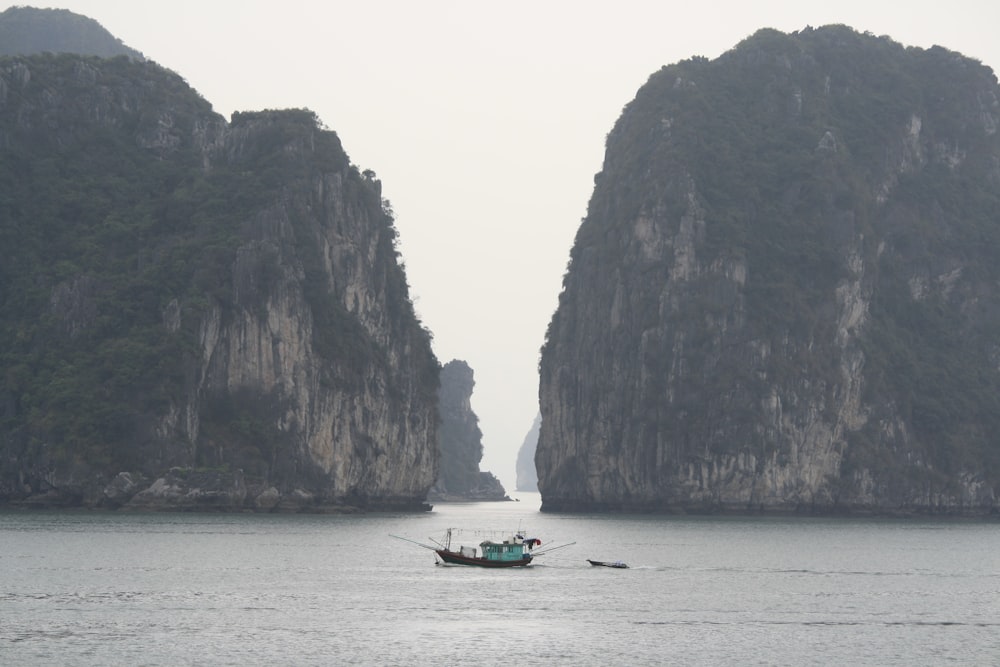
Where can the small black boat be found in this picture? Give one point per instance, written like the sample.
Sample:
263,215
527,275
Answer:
600,563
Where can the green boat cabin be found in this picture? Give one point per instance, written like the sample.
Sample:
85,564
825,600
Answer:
503,551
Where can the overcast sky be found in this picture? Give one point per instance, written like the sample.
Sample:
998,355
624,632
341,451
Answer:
485,122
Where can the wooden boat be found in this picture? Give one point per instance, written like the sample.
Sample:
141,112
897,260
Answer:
600,563
513,551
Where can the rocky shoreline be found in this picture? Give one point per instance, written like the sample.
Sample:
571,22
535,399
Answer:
192,490
804,511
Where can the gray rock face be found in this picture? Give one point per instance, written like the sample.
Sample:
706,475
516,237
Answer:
291,359
122,489
783,297
186,490
366,428
527,477
461,441
27,30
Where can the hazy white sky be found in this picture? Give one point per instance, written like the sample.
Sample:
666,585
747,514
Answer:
486,124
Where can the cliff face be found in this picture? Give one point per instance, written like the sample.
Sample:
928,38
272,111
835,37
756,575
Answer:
28,30
783,296
460,441
527,477
198,313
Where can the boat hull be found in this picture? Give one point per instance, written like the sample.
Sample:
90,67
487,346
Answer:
455,558
600,563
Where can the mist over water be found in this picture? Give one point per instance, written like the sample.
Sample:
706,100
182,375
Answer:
170,589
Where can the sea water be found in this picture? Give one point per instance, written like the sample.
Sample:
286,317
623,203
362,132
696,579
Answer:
88,588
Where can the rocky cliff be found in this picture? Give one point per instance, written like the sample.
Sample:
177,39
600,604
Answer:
460,441
527,477
784,294
28,30
198,313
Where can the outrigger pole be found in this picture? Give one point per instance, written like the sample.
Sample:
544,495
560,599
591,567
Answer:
406,539
545,551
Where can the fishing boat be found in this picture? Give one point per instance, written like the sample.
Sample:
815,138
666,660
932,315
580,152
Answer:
600,563
515,550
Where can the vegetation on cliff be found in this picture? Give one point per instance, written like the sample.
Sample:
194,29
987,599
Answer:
460,441
133,220
27,30
798,237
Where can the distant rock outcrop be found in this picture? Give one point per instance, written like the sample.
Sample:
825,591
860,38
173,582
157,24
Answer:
784,294
527,477
27,30
460,440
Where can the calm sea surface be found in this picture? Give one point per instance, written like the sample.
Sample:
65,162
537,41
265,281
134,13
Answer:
183,589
